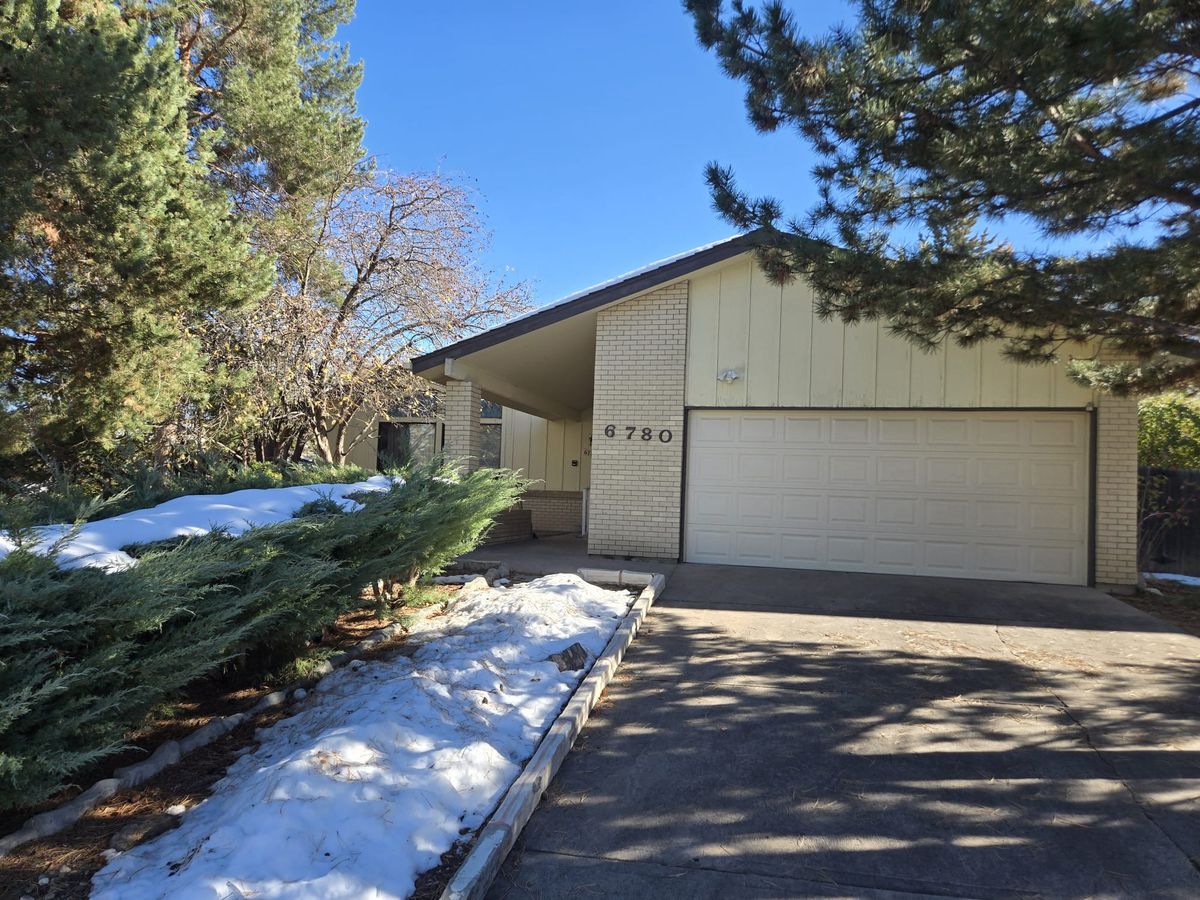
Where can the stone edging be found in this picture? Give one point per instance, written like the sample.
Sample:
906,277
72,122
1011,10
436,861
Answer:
168,753
497,838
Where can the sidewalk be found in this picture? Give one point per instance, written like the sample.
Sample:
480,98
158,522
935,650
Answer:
559,553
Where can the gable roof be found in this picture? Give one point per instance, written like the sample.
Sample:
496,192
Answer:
656,273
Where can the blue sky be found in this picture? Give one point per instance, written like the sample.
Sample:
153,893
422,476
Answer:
584,127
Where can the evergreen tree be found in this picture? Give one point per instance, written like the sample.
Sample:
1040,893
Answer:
111,235
941,122
274,91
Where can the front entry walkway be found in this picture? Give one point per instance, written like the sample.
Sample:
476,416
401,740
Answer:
776,733
558,553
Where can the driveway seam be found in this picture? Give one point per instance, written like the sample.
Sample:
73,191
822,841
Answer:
876,884
1100,754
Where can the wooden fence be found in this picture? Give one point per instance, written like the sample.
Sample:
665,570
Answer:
1169,514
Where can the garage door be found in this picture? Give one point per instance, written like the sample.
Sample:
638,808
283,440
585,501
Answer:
1001,495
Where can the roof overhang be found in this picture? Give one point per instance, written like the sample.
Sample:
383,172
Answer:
544,362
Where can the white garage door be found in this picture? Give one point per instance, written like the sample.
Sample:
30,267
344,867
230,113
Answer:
1000,495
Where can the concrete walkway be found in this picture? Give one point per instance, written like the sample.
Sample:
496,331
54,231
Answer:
779,734
558,553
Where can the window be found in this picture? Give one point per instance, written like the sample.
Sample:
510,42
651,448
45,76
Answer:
489,438
402,443
489,445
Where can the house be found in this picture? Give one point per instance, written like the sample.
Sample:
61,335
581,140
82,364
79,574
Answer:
417,434
554,502
699,412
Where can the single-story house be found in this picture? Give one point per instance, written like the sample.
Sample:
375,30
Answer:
555,499
692,410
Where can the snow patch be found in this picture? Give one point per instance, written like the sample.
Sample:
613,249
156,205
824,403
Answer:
99,543
388,765
1170,576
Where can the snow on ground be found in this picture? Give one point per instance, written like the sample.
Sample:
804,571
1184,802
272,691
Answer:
388,764
99,543
1170,576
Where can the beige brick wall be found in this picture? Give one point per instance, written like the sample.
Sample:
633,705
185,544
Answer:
1116,491
510,526
555,512
635,493
463,428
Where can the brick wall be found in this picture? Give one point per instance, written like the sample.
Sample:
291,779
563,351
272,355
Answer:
555,511
510,526
635,493
463,428
1116,491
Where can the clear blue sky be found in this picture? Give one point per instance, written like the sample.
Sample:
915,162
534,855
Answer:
584,127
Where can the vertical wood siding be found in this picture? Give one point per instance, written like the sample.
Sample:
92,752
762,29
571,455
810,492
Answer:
787,356
543,450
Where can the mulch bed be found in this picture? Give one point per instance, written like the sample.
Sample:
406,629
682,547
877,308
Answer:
70,858
1179,604
431,883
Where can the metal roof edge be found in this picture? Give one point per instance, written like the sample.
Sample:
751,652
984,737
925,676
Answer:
594,297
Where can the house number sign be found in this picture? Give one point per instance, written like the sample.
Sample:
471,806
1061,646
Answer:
645,434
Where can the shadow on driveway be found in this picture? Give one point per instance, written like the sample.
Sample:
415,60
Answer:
776,733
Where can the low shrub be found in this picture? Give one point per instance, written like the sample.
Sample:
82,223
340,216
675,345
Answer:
322,506
1169,432
420,596
84,656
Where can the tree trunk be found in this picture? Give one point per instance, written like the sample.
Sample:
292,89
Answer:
339,446
324,446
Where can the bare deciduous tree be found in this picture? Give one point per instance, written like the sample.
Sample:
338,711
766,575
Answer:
391,270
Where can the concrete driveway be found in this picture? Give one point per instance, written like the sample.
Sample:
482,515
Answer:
777,733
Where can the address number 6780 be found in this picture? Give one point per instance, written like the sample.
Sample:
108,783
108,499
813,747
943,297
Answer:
646,434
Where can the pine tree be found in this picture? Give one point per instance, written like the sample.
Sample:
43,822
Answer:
272,90
939,123
273,93
112,237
